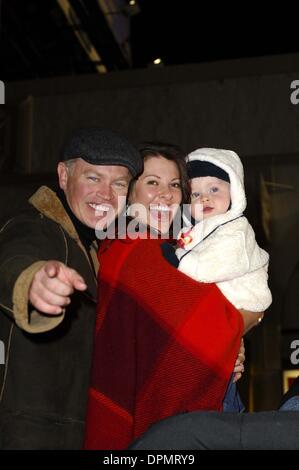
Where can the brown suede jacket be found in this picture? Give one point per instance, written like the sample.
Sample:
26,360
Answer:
45,375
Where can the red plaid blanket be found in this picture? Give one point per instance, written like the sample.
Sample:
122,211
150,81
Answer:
164,344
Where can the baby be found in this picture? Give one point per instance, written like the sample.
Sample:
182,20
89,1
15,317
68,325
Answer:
221,246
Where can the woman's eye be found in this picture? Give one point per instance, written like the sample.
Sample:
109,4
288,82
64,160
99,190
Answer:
153,182
177,185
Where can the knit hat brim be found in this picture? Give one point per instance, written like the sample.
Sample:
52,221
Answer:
198,168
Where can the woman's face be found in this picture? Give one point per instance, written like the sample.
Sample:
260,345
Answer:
157,194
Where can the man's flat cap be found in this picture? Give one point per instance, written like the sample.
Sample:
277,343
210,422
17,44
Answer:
103,147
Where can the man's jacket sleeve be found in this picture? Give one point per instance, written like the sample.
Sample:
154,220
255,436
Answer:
27,242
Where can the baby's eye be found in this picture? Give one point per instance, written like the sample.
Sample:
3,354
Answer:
195,195
214,189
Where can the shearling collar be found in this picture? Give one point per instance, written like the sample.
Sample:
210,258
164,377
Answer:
46,202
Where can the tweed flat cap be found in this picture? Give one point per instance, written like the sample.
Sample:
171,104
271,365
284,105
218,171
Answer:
100,146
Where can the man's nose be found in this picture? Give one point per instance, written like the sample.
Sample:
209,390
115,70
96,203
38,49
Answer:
104,191
165,193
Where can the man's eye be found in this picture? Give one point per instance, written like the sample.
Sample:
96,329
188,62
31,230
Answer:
120,184
92,178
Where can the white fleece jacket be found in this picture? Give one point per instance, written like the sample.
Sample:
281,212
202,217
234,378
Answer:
223,248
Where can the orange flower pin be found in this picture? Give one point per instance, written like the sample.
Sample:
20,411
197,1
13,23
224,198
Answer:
185,238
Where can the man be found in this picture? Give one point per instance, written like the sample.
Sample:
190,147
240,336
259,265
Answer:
48,285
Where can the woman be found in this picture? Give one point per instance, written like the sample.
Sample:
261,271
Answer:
164,343
162,187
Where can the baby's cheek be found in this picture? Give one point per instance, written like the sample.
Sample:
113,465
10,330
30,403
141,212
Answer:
196,210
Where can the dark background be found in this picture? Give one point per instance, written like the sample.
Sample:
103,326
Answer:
37,41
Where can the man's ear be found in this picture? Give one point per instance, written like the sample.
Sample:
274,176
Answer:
62,175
